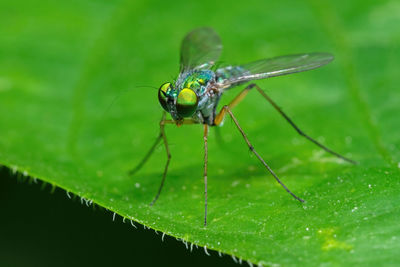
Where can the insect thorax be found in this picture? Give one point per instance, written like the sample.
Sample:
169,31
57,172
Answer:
197,80
202,82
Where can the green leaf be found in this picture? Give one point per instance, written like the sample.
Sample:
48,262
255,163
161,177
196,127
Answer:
75,114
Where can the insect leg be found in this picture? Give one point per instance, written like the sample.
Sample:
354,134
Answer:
150,152
297,128
227,109
205,172
221,115
159,138
144,160
162,134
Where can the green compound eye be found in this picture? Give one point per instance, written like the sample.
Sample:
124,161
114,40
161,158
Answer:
162,95
186,104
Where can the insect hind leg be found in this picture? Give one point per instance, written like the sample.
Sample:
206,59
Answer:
297,128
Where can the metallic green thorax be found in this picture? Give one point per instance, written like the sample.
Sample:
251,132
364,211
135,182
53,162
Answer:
197,81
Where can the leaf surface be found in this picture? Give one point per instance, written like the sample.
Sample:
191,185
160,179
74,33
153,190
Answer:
76,114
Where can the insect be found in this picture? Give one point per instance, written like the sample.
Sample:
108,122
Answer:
193,97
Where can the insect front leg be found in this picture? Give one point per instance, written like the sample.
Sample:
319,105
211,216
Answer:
150,152
162,135
163,122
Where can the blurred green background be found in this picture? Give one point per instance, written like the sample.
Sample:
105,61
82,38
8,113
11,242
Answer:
74,114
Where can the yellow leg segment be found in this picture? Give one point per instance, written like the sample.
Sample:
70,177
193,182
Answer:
221,115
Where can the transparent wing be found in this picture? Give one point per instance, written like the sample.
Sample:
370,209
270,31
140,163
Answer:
277,66
200,49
